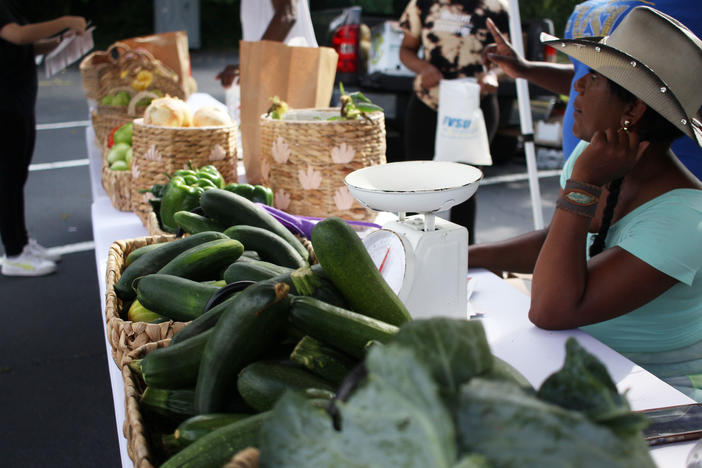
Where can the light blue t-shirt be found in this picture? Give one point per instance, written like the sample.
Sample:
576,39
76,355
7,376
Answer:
666,233
599,18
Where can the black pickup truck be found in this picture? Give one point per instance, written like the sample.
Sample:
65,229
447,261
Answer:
367,39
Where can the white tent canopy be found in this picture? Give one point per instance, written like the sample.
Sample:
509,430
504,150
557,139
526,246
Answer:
527,127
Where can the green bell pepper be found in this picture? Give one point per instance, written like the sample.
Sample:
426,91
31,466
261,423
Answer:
263,195
212,173
255,193
185,172
205,183
178,196
245,190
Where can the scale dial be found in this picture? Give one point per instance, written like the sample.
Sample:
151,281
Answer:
393,257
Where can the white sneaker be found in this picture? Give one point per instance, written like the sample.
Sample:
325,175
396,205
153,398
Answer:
27,264
42,252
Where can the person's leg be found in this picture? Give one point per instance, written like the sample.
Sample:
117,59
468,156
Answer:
15,155
21,259
420,130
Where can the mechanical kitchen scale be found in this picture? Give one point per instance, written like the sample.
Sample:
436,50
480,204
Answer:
423,258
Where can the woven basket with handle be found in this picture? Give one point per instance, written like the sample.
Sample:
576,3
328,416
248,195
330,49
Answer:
125,335
129,62
162,150
117,185
106,118
97,64
306,157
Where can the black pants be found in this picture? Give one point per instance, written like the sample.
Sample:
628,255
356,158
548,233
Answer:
18,134
420,135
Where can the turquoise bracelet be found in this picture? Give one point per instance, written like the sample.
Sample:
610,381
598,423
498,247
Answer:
579,198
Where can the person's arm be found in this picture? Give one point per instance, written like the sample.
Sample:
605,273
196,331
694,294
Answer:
45,46
567,291
555,77
409,58
283,20
35,32
517,255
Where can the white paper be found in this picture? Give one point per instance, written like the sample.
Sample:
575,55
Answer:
69,51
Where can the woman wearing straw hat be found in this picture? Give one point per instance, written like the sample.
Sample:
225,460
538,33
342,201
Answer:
622,257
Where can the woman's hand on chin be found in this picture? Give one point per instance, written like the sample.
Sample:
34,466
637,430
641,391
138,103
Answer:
610,155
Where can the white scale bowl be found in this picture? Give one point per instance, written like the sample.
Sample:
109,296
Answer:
414,186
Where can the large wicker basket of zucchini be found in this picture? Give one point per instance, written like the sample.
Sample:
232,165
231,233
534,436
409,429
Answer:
129,326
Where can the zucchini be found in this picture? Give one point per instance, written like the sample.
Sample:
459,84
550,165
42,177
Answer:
214,311
177,298
192,223
322,359
347,263
251,324
253,270
346,330
205,261
176,365
249,255
219,446
138,313
136,253
231,209
153,260
261,383
270,246
198,426
174,405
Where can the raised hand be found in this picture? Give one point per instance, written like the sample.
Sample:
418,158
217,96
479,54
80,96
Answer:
502,54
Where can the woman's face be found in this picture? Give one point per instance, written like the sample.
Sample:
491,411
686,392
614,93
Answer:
595,107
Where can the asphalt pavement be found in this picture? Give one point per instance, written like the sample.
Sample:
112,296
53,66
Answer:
56,405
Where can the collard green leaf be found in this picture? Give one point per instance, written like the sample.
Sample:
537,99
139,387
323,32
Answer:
453,350
511,427
474,460
502,370
584,384
395,418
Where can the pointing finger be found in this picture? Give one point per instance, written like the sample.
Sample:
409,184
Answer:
499,37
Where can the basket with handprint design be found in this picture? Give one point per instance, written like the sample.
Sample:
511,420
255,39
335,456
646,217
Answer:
305,158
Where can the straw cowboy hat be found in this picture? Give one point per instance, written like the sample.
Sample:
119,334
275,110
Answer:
653,56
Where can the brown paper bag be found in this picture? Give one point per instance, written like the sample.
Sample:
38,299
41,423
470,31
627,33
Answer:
171,48
301,76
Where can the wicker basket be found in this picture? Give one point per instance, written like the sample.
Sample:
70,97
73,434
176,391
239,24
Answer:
139,448
117,185
306,157
91,67
106,118
162,150
129,62
152,226
124,335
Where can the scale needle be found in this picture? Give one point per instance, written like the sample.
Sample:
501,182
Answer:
382,264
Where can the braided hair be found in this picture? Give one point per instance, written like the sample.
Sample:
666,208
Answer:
598,243
652,127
